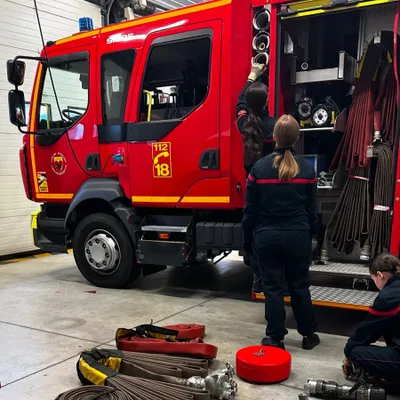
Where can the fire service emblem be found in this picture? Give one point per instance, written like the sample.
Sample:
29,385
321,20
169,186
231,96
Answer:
58,163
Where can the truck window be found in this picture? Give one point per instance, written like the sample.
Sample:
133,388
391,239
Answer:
71,82
116,70
176,79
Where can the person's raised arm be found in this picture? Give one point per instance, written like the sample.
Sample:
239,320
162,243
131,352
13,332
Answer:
241,107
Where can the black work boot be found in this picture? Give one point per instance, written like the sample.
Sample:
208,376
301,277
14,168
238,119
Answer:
309,342
267,341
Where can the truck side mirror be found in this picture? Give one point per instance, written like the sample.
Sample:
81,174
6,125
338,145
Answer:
16,105
16,72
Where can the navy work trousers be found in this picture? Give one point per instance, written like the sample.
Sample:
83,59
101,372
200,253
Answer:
378,362
284,258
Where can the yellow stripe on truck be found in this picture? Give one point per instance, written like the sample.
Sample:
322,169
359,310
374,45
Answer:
314,7
187,199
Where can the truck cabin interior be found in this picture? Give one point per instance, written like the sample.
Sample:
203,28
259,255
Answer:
176,80
337,74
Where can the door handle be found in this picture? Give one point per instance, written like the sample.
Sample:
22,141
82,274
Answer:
209,159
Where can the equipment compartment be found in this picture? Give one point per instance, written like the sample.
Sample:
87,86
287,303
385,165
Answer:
337,79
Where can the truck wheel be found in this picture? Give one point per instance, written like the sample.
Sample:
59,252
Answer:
104,252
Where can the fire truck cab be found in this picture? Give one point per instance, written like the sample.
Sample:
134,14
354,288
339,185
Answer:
131,145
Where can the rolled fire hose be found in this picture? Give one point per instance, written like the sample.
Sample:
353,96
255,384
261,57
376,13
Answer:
350,221
379,236
94,392
125,371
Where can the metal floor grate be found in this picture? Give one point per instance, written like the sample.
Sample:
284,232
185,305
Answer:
336,298
342,296
341,269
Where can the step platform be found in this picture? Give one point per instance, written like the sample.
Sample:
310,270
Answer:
336,268
350,299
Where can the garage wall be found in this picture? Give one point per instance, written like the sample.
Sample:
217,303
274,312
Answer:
19,35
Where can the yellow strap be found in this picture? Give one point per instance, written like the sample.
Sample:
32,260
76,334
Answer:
149,99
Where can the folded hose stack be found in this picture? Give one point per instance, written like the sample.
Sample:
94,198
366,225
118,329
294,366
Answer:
363,214
379,233
350,221
147,375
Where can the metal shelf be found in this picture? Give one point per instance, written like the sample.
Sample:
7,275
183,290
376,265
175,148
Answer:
345,71
327,128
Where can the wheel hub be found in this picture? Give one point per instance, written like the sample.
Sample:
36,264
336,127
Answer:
102,252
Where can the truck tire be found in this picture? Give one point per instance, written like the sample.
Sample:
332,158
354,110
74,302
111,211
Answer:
104,252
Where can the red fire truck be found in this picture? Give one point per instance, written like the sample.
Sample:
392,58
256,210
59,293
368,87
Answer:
132,146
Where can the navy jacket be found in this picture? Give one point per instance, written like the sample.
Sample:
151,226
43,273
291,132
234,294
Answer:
268,122
383,320
272,204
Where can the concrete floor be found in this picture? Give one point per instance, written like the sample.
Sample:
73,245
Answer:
47,317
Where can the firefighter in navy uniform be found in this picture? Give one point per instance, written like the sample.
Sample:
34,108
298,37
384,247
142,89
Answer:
281,209
256,127
383,321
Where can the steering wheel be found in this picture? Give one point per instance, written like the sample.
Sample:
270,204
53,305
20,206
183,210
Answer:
67,114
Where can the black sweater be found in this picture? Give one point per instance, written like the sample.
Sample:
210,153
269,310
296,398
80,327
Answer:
383,320
272,204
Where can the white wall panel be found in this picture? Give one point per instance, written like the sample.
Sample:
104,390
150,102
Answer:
19,35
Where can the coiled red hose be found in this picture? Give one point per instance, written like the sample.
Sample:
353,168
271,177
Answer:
388,112
352,150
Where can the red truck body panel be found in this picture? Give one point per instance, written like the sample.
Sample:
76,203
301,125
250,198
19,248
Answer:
211,125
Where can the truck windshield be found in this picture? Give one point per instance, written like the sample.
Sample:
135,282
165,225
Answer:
71,86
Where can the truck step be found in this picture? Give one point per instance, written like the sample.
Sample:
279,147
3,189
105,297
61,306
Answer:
335,268
164,229
336,298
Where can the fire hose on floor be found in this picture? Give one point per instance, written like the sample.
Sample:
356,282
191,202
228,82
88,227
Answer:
94,392
159,376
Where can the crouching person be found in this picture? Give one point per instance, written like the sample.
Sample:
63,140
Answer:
364,358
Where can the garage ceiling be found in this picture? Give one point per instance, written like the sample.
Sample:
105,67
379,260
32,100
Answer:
170,4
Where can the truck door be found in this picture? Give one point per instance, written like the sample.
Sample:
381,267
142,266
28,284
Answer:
174,141
66,124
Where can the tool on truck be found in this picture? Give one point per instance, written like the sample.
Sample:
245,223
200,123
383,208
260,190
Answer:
137,160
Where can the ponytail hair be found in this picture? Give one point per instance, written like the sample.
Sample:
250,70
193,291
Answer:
286,134
288,167
252,135
253,129
385,262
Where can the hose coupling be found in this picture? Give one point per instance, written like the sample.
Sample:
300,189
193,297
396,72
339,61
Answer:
365,252
220,384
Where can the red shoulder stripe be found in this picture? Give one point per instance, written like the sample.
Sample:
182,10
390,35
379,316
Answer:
251,178
296,180
389,313
241,114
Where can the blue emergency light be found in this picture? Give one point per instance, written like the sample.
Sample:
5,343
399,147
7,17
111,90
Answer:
85,24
